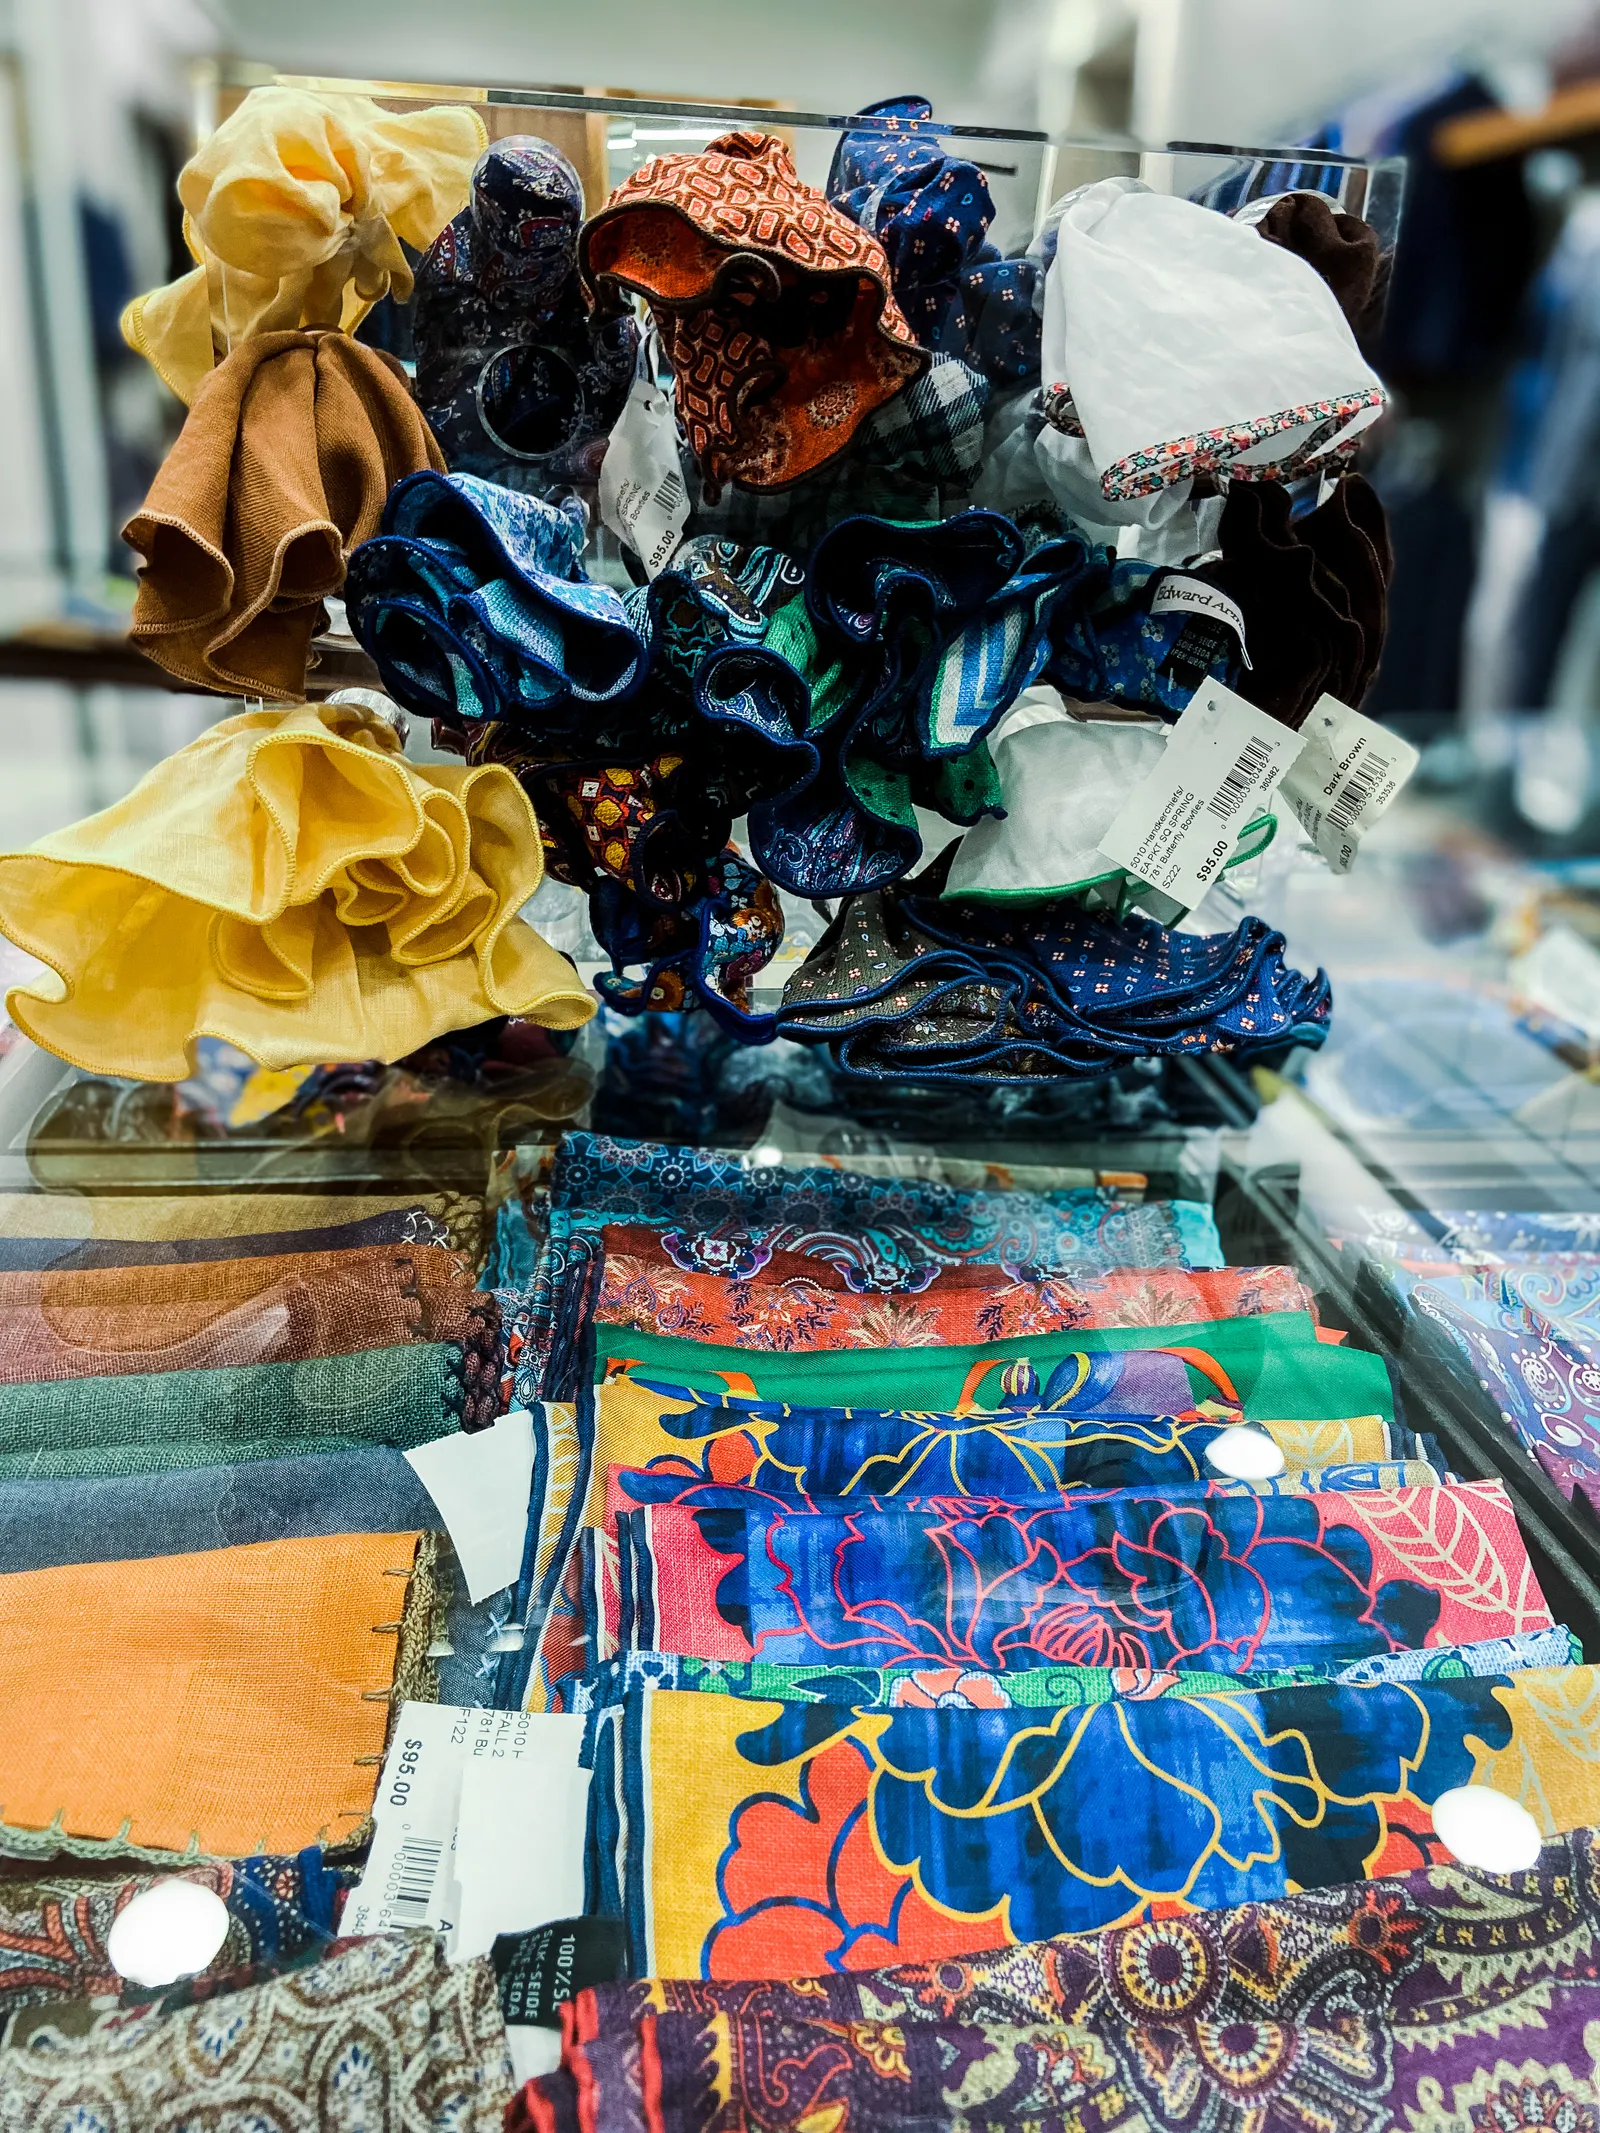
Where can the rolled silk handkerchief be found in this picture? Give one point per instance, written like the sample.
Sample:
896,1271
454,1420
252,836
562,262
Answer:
299,208
1271,381
473,603
774,309
290,883
904,984
281,467
519,382
1064,778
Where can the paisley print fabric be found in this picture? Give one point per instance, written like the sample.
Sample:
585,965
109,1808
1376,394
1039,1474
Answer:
1031,1688
1250,2076
1542,1373
1232,1583
1460,1989
758,1297
763,1840
53,1930
384,2033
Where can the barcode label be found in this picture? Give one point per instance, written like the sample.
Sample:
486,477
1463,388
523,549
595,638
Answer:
1180,824
1236,787
643,496
1367,778
1347,778
416,1872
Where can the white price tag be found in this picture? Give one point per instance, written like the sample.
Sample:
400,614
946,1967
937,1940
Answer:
481,1480
1183,819
1347,777
412,1876
643,498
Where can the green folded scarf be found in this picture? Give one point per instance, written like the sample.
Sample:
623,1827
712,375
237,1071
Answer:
136,1425
1279,1369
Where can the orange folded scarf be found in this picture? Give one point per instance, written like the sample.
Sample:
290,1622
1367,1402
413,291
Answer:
225,1703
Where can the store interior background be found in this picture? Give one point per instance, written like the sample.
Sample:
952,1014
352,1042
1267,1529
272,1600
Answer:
1488,463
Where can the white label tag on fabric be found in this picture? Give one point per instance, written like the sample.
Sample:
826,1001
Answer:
643,498
1346,778
482,1480
1183,818
520,1835
412,1877
1195,597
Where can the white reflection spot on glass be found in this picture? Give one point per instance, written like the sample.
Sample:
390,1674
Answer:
1245,1454
167,1932
1487,1829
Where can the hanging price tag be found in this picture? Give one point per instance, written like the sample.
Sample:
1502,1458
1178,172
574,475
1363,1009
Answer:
1183,819
1347,776
643,497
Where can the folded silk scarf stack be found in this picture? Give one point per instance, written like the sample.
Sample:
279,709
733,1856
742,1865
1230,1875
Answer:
887,1233
893,1649
290,883
906,986
299,209
518,380
281,467
774,309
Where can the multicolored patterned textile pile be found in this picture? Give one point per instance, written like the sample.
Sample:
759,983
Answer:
928,1606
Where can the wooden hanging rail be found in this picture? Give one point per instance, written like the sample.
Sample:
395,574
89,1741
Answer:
1487,136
